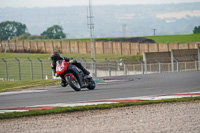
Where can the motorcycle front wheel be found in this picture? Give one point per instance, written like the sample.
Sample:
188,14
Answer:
73,82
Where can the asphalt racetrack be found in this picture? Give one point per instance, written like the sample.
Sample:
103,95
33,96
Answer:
113,87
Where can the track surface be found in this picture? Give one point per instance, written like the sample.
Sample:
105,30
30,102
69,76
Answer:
118,87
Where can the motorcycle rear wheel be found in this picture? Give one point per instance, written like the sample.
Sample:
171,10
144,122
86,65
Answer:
91,85
73,82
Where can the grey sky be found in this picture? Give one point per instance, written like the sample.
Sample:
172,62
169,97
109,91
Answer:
56,3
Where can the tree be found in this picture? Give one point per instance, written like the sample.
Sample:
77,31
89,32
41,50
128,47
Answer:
54,32
196,30
8,29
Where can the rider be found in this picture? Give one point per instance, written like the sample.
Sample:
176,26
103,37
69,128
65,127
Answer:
55,56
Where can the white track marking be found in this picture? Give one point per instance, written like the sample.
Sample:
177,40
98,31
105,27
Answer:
21,92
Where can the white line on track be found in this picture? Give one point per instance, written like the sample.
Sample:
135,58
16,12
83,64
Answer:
21,92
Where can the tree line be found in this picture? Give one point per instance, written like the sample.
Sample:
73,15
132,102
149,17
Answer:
196,30
11,30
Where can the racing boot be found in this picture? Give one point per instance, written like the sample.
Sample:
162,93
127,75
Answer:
79,65
63,82
86,73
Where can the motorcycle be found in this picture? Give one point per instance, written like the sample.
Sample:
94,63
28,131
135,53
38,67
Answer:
74,76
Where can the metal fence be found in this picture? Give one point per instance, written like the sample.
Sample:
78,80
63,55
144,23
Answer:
25,69
106,67
36,69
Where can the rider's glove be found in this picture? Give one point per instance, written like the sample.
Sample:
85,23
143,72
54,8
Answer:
56,75
72,61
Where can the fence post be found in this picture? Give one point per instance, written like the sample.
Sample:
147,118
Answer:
94,68
109,69
142,66
172,61
31,67
85,62
19,68
45,47
198,58
78,47
23,45
125,68
177,64
196,63
121,52
61,47
41,67
6,68
145,62
117,65
117,68
159,63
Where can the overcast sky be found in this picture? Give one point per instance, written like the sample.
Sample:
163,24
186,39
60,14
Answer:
56,3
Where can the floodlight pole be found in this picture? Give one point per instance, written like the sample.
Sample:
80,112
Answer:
154,32
91,26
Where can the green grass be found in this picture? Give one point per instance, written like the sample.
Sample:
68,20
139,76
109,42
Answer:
167,38
158,39
25,67
173,38
176,38
24,84
50,40
19,85
59,110
74,56
24,55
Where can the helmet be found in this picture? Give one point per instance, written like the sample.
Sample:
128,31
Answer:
55,55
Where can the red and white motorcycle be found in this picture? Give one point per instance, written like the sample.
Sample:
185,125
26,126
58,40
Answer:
74,76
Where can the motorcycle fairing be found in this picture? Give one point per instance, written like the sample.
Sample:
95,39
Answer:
61,66
77,73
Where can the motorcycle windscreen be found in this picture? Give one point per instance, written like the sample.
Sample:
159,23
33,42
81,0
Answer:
59,62
61,66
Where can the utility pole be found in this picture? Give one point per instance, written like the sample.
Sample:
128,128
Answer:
124,31
154,32
91,27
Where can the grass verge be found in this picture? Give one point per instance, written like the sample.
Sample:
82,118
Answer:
59,110
157,39
20,85
175,38
6,86
74,56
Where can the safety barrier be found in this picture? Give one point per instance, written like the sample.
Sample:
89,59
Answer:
37,69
